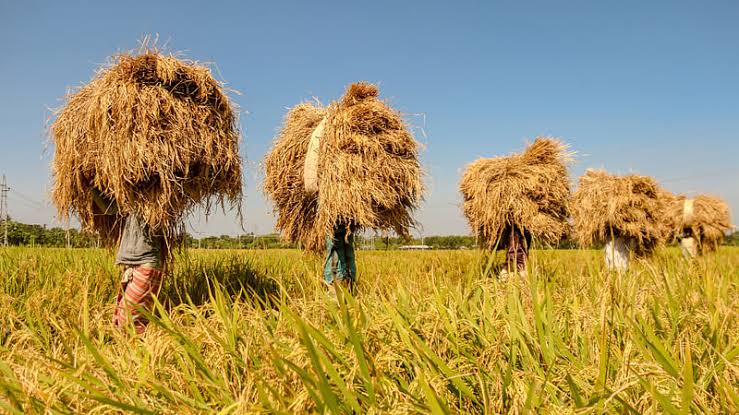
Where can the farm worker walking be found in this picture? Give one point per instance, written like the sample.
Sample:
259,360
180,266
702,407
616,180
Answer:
508,200
140,254
148,139
338,169
625,213
687,242
700,223
339,266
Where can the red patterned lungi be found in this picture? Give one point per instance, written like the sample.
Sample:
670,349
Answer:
139,285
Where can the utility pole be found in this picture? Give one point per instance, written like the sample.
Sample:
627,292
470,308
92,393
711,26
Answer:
4,215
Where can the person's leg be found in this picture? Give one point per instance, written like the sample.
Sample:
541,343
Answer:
689,247
688,244
330,264
341,268
125,279
609,254
623,248
510,251
334,268
517,252
525,246
616,254
350,266
521,260
351,259
145,282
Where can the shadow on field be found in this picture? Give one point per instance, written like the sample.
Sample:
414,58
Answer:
195,282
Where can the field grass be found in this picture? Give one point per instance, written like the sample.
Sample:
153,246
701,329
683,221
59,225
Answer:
254,331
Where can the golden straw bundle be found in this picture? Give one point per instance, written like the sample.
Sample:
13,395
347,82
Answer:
606,206
368,174
706,216
528,191
154,133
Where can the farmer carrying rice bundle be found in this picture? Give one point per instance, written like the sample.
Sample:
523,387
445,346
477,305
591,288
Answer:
336,170
699,223
624,213
510,200
148,139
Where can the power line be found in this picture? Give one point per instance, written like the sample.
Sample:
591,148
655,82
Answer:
714,173
27,198
24,202
4,215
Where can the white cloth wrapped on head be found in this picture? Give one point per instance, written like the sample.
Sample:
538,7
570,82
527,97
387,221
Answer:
310,168
687,211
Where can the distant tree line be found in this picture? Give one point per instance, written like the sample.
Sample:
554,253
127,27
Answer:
246,241
21,234
732,239
252,241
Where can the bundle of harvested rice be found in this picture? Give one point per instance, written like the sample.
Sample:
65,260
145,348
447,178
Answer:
707,217
154,133
362,171
529,191
607,206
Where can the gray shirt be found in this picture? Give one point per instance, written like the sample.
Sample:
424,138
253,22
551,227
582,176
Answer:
138,245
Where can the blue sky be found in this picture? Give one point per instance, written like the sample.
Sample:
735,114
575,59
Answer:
633,86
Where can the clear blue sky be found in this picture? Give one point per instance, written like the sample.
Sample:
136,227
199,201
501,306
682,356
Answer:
633,86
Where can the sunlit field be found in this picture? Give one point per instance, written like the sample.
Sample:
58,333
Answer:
428,332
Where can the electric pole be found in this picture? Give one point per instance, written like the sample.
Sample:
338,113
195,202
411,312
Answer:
4,215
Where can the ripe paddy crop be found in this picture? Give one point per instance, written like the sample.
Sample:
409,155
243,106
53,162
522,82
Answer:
428,332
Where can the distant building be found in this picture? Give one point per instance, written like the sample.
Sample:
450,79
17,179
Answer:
414,247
